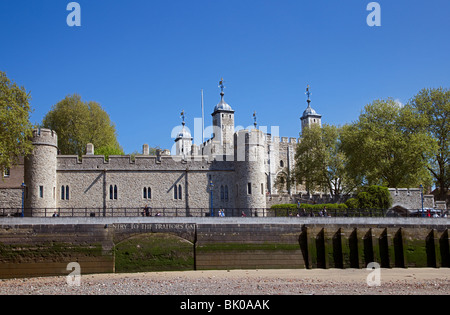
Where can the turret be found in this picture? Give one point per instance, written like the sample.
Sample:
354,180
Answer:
40,174
250,177
310,116
223,124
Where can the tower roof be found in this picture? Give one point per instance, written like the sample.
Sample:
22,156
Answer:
222,106
309,112
184,133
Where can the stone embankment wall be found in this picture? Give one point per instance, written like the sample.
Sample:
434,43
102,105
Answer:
32,247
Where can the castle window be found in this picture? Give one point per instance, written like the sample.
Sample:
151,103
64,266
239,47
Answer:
249,188
113,192
226,192
262,189
65,192
147,193
177,192
41,191
6,173
281,163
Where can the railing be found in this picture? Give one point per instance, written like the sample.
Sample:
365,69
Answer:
217,212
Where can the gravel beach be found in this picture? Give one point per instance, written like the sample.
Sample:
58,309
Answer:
424,281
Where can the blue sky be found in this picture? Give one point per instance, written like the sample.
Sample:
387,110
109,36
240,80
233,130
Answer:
146,60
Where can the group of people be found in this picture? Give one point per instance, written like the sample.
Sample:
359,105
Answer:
303,213
221,213
148,212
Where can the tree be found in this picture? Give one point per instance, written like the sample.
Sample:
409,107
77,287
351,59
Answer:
430,109
380,151
78,123
310,159
320,163
373,197
15,126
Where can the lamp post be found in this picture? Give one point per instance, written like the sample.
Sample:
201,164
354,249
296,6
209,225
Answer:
421,196
211,209
23,197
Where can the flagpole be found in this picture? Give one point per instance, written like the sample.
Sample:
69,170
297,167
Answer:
203,120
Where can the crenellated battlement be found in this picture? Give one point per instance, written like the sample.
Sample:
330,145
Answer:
45,137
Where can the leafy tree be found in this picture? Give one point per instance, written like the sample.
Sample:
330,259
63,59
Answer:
381,197
108,150
365,200
15,126
430,112
352,203
380,151
373,197
310,159
320,163
78,123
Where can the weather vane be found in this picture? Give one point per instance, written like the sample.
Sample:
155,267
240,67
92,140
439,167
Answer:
221,85
182,116
308,93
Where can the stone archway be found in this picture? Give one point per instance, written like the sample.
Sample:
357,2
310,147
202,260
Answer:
398,211
150,252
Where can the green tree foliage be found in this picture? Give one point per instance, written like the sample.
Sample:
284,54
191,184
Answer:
320,162
78,123
429,112
373,197
310,159
15,126
381,151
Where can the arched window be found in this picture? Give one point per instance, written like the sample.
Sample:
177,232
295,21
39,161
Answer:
115,192
149,193
175,192
222,193
281,163
145,193
63,192
111,192
180,192
226,192
67,193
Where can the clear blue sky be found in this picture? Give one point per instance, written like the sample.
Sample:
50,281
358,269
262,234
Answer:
146,60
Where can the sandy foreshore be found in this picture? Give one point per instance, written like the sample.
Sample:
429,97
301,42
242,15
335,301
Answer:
242,282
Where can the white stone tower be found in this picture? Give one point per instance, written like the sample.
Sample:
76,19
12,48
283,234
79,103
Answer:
40,174
223,124
310,116
250,176
183,142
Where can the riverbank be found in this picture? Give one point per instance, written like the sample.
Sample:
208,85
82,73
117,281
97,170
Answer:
423,281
